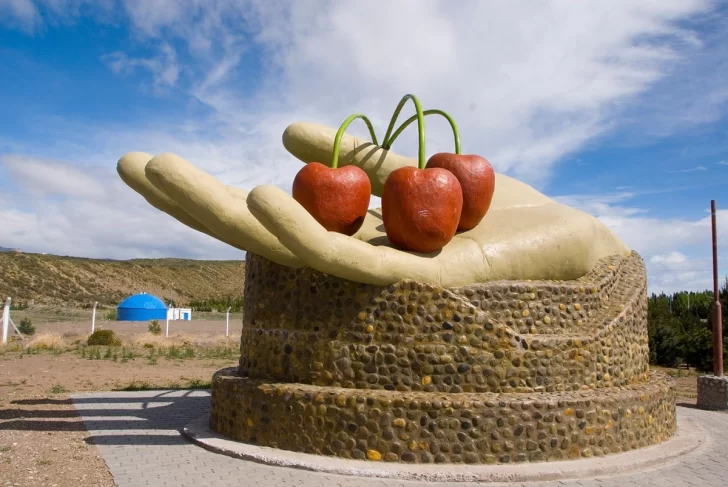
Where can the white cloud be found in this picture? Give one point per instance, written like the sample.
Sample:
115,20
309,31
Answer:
50,178
672,260
692,169
526,86
21,14
163,67
695,93
677,251
723,163
98,216
675,271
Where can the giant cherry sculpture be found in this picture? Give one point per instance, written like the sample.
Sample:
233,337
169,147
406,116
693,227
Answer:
421,207
475,174
338,198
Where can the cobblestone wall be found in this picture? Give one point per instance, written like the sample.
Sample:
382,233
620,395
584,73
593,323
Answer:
309,334
712,392
422,427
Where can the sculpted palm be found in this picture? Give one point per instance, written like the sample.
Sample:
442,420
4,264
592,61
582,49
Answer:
525,235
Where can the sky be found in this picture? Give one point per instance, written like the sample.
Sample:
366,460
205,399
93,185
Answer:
617,108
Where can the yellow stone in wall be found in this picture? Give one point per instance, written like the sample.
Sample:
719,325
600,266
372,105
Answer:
374,455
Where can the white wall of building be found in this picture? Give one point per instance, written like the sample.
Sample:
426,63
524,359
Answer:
179,314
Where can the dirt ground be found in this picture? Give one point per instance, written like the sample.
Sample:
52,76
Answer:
42,440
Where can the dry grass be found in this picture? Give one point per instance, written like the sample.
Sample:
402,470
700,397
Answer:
47,341
181,340
215,346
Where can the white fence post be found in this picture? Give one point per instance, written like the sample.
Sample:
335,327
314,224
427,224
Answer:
227,322
6,320
166,328
93,317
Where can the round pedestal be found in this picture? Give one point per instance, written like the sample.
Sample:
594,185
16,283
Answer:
488,373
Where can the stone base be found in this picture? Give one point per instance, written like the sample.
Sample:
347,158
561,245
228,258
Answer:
712,392
690,437
431,427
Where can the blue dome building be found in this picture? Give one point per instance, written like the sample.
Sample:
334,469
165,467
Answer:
141,307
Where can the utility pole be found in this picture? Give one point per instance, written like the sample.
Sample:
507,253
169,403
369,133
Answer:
717,311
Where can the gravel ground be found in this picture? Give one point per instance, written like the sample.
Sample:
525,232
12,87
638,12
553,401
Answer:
42,439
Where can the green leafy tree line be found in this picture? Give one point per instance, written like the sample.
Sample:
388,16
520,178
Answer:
219,304
680,328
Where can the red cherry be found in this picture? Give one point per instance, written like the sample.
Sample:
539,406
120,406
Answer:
421,208
337,198
476,177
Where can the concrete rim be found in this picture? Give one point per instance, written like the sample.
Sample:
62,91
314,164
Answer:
689,437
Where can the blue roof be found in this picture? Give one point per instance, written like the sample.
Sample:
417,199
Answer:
143,301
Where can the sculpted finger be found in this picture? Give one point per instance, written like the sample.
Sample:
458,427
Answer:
131,170
222,209
354,259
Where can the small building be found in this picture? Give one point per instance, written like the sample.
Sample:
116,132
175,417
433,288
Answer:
179,314
141,307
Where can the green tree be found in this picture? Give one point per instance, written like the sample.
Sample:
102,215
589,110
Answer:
680,328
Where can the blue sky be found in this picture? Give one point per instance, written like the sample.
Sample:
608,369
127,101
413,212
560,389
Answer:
619,109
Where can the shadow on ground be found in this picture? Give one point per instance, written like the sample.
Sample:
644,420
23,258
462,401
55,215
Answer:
133,422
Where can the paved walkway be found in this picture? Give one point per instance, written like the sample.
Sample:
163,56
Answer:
137,433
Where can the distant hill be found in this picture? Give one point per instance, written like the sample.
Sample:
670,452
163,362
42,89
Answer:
73,281
6,249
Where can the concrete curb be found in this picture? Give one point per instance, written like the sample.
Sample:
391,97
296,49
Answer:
689,437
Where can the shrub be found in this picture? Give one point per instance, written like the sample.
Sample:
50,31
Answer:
104,337
154,327
111,315
26,327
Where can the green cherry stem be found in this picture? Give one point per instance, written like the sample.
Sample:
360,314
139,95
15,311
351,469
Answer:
420,126
455,132
340,134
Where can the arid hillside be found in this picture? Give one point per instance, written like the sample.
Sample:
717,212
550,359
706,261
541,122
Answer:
72,281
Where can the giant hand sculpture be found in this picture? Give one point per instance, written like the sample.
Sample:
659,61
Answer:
525,235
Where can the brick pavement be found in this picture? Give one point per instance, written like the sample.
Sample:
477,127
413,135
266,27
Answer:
137,434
